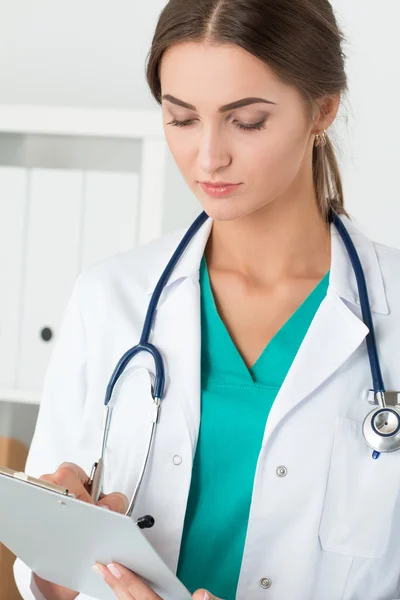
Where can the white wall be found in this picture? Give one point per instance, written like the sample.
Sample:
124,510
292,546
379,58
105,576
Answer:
370,140
76,53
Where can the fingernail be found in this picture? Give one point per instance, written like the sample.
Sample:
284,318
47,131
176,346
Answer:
113,569
99,571
206,596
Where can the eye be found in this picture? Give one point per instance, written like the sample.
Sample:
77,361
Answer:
242,126
176,123
255,127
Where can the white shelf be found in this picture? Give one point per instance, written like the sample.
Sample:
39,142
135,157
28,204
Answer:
20,396
52,120
147,128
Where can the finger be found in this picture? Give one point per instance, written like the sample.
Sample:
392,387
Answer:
204,595
71,483
116,501
80,473
71,478
117,587
134,584
136,587
77,470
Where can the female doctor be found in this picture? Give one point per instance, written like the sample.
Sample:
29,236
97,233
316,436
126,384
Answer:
260,481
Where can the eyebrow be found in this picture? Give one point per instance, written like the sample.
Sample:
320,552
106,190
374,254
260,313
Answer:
222,109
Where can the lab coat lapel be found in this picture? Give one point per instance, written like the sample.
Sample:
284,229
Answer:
337,329
334,334
177,333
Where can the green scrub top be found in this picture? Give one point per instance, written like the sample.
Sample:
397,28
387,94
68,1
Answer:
235,403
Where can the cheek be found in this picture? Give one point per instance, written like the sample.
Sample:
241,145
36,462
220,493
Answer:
276,160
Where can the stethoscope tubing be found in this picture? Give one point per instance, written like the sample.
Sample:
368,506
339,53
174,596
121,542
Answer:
376,373
144,345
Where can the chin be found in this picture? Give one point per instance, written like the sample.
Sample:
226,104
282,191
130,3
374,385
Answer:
226,209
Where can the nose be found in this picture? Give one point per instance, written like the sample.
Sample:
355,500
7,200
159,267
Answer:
213,151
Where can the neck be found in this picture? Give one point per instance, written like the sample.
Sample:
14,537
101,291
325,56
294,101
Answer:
287,238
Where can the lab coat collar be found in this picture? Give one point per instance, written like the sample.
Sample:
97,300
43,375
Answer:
342,277
189,263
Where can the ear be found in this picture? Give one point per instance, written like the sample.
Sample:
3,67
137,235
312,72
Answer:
325,111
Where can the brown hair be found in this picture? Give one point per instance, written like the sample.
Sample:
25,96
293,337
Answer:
300,40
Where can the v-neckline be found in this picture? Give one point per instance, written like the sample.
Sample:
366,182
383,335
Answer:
254,373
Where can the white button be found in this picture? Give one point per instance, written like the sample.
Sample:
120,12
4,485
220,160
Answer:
177,459
281,471
265,582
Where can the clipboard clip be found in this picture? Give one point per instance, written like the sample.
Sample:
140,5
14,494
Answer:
52,487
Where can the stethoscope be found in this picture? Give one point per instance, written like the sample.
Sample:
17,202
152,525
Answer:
381,427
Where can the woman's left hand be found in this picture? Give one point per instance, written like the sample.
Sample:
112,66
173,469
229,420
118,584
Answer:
128,586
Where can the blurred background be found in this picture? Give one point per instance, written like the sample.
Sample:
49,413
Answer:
85,171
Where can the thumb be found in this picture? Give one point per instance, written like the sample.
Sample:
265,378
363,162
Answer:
204,595
116,501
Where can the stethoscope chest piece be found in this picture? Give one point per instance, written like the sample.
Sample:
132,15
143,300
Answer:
381,429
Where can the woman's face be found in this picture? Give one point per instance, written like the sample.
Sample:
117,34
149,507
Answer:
267,161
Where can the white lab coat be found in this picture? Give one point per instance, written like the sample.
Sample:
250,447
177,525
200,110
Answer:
330,528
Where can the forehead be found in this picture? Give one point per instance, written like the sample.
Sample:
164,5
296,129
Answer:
210,74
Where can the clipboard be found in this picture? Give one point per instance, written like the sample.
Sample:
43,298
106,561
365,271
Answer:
60,538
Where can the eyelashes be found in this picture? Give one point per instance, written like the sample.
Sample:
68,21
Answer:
241,126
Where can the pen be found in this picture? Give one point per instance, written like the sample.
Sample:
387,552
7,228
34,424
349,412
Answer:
95,480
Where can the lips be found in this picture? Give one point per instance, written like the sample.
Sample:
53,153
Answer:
220,189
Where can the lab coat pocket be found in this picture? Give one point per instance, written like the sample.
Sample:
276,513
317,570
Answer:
360,497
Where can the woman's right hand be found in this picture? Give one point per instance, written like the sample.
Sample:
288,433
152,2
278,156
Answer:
73,478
